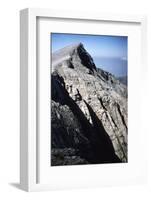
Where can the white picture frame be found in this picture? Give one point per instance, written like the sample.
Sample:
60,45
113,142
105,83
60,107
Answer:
29,148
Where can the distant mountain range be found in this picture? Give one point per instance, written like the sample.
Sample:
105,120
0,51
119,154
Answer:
88,111
123,79
115,65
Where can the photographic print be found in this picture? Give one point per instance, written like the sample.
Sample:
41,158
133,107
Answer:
89,95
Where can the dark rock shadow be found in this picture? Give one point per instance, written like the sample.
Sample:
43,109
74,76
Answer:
100,148
105,146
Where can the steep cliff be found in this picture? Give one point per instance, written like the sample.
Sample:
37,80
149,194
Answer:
88,111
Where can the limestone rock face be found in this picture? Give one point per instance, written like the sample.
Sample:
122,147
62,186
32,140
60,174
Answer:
88,111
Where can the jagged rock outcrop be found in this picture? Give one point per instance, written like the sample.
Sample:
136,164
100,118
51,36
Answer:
88,111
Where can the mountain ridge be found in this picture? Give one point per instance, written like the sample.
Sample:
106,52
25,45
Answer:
89,111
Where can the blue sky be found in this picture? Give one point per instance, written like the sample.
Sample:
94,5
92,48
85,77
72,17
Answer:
108,52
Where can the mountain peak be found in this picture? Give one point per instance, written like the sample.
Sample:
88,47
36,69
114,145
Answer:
75,45
75,53
67,49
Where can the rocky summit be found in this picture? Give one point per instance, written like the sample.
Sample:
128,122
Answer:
88,111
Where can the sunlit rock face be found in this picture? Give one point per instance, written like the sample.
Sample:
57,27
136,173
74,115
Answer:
88,111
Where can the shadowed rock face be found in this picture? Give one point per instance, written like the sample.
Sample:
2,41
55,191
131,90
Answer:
88,111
